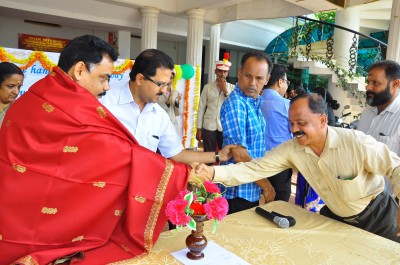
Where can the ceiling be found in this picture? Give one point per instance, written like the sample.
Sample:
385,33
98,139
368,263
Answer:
244,23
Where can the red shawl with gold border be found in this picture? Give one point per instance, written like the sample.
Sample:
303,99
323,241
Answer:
73,179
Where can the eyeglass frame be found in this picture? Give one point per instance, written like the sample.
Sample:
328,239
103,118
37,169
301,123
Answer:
287,81
158,84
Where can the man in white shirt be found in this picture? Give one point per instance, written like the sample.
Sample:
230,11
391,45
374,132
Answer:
135,106
209,128
381,119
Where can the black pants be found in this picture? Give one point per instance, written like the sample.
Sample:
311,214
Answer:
239,204
282,184
211,139
379,217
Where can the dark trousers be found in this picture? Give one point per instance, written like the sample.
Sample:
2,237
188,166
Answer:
211,139
282,184
239,204
379,217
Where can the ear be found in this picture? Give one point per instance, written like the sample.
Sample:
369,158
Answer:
324,119
267,79
139,79
77,70
396,83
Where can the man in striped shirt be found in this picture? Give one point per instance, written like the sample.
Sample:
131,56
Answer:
381,119
243,124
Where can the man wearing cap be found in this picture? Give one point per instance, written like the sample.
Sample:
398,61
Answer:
209,129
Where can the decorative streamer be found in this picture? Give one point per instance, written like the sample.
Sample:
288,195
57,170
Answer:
186,113
195,107
47,63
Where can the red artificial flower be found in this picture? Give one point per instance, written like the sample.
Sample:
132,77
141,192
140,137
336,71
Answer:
211,187
198,208
217,208
176,212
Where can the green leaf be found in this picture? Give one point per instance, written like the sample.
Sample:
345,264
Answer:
189,198
192,224
201,199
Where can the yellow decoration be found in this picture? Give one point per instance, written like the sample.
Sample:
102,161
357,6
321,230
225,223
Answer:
195,106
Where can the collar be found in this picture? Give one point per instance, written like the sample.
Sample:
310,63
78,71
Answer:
125,97
395,105
332,142
256,102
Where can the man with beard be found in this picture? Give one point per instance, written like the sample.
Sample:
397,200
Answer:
135,106
345,167
381,119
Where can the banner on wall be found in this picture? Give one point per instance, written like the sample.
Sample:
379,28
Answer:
37,64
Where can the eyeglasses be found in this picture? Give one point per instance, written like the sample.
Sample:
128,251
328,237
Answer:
160,85
287,81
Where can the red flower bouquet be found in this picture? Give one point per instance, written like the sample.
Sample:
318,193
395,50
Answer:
207,200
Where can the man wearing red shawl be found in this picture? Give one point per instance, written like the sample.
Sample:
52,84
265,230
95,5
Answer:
74,184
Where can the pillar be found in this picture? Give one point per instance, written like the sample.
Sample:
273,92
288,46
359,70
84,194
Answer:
149,27
348,18
195,36
393,50
124,44
215,34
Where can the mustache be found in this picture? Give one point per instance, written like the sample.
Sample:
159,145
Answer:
102,94
159,93
298,133
370,93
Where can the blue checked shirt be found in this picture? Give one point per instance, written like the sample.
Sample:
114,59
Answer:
243,124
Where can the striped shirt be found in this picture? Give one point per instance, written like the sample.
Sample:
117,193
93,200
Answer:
385,126
243,124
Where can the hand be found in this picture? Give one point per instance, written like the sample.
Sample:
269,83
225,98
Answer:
204,172
240,154
268,192
226,153
221,83
199,136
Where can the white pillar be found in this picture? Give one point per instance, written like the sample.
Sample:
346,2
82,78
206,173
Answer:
149,27
195,36
393,50
348,18
124,44
215,33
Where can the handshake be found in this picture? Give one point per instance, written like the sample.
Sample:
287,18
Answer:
200,173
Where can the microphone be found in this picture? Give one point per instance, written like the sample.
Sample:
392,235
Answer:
291,219
279,221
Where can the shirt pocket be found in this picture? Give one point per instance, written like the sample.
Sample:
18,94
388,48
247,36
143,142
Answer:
152,142
350,189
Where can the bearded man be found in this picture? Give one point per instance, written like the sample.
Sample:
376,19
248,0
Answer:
381,119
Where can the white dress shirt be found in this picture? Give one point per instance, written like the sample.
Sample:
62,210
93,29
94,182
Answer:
152,127
385,126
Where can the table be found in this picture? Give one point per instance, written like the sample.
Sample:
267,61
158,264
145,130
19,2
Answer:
314,239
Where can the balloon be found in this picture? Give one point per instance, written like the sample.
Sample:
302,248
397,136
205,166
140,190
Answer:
187,71
178,72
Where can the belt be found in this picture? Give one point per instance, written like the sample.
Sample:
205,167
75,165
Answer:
355,219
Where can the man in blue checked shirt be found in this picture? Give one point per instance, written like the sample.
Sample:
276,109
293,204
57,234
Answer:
243,124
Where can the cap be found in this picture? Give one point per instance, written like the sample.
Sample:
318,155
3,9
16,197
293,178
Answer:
223,65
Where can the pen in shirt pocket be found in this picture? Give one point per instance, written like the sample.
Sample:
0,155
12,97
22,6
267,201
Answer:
155,136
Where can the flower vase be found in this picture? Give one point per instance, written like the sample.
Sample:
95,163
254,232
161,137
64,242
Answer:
196,242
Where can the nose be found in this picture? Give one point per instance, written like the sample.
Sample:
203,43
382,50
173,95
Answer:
164,89
107,86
